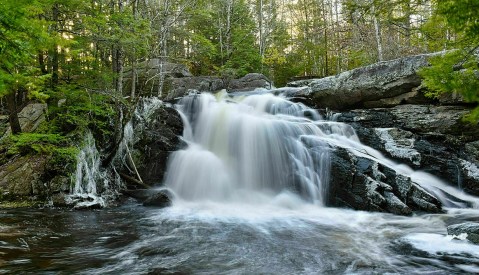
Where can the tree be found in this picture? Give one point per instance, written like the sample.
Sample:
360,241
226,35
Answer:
21,37
458,70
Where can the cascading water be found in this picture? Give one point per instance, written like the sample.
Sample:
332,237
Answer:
249,187
245,146
86,191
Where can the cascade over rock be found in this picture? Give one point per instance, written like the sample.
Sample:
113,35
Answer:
426,137
382,84
470,229
364,184
239,148
150,137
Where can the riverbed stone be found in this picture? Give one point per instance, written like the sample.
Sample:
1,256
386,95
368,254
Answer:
469,228
161,198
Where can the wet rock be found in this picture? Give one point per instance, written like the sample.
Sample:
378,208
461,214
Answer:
381,84
157,135
362,183
431,138
469,228
161,198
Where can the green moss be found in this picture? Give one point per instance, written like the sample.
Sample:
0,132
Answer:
19,204
36,143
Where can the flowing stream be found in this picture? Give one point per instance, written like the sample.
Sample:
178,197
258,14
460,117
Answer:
249,199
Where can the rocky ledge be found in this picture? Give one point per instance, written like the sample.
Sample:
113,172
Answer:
386,106
382,84
431,138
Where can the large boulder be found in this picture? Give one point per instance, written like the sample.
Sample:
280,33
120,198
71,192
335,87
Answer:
30,117
175,87
156,133
434,139
149,73
29,178
249,82
382,84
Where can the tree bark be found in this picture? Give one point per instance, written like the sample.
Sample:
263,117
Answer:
55,58
377,29
13,115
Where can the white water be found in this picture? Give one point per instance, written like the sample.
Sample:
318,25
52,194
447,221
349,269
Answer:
249,148
262,163
255,147
88,174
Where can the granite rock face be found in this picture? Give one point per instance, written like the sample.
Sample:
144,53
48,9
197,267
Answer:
362,183
382,84
156,133
431,138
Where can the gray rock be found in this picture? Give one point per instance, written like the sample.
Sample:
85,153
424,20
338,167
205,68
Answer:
30,117
382,84
364,184
249,82
175,88
21,176
431,138
161,198
157,135
469,228
451,99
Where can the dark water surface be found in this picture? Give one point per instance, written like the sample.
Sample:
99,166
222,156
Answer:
283,237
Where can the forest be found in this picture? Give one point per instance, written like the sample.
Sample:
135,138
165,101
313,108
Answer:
47,44
294,137
79,52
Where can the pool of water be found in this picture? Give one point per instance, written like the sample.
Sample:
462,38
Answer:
283,236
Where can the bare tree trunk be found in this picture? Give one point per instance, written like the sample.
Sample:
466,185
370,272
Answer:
13,114
377,31
55,59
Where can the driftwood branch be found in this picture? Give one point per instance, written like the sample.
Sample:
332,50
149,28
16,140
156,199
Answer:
133,180
133,163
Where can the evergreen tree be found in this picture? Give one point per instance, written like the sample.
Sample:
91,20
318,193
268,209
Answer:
458,70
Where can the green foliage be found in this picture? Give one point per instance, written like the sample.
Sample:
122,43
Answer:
20,37
462,16
457,71
35,143
80,111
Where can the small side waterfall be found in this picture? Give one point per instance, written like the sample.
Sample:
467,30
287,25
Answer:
89,179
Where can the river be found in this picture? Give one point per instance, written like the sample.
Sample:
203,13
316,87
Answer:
285,236
249,199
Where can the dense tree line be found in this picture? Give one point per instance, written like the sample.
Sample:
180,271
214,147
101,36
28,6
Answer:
47,44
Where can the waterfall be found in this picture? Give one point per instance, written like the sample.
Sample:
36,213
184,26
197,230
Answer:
246,148
91,187
242,146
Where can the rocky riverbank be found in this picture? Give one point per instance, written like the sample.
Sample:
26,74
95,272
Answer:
385,104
